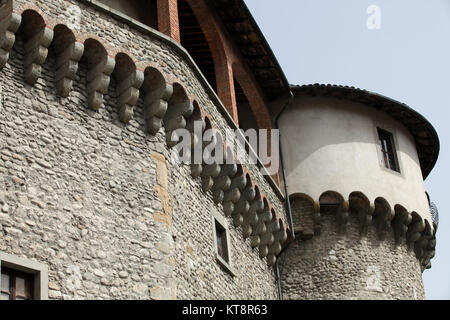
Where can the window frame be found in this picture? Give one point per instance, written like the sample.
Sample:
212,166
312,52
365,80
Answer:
394,146
13,274
221,242
219,223
36,270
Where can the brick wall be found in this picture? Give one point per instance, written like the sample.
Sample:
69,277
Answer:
227,58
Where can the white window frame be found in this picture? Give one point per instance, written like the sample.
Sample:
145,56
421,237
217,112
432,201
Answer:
222,222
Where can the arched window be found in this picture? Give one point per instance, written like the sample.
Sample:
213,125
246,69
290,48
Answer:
144,11
193,40
247,119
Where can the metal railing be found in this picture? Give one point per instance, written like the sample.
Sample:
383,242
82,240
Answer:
434,214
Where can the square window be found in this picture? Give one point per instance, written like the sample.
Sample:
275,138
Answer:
22,279
222,243
388,150
221,238
16,285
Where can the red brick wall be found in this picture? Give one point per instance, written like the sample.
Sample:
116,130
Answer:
168,18
228,61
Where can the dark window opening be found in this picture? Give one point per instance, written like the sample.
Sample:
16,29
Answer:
144,11
16,285
387,148
193,40
221,241
247,119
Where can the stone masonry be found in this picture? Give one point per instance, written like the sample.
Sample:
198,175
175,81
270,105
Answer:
350,266
87,190
89,187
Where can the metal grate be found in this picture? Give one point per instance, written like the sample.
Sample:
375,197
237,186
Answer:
434,214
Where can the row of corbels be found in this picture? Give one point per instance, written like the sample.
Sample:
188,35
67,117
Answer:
70,48
239,197
166,105
407,226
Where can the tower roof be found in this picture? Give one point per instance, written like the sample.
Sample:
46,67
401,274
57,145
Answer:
425,136
253,46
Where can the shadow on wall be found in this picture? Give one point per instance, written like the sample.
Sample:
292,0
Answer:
314,269
144,11
315,123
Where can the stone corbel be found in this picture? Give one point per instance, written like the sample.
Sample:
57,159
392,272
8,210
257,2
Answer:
251,218
400,223
155,105
422,244
206,172
128,92
261,228
98,79
175,118
223,182
382,218
365,218
240,209
196,141
67,67
8,28
196,170
268,238
36,51
430,251
280,237
209,172
233,195
415,228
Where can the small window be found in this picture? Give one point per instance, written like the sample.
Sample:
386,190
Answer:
222,243
16,285
221,238
388,151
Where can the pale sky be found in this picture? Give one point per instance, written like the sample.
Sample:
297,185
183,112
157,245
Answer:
408,59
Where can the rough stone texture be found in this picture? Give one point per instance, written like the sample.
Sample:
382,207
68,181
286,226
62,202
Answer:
98,201
303,217
350,266
103,205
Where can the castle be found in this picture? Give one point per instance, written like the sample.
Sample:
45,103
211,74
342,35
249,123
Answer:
93,205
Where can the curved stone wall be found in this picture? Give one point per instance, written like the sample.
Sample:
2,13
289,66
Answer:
86,171
354,249
350,266
332,144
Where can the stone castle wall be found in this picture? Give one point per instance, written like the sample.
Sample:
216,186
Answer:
95,196
350,250
350,266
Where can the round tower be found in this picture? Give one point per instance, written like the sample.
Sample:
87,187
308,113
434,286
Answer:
355,162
